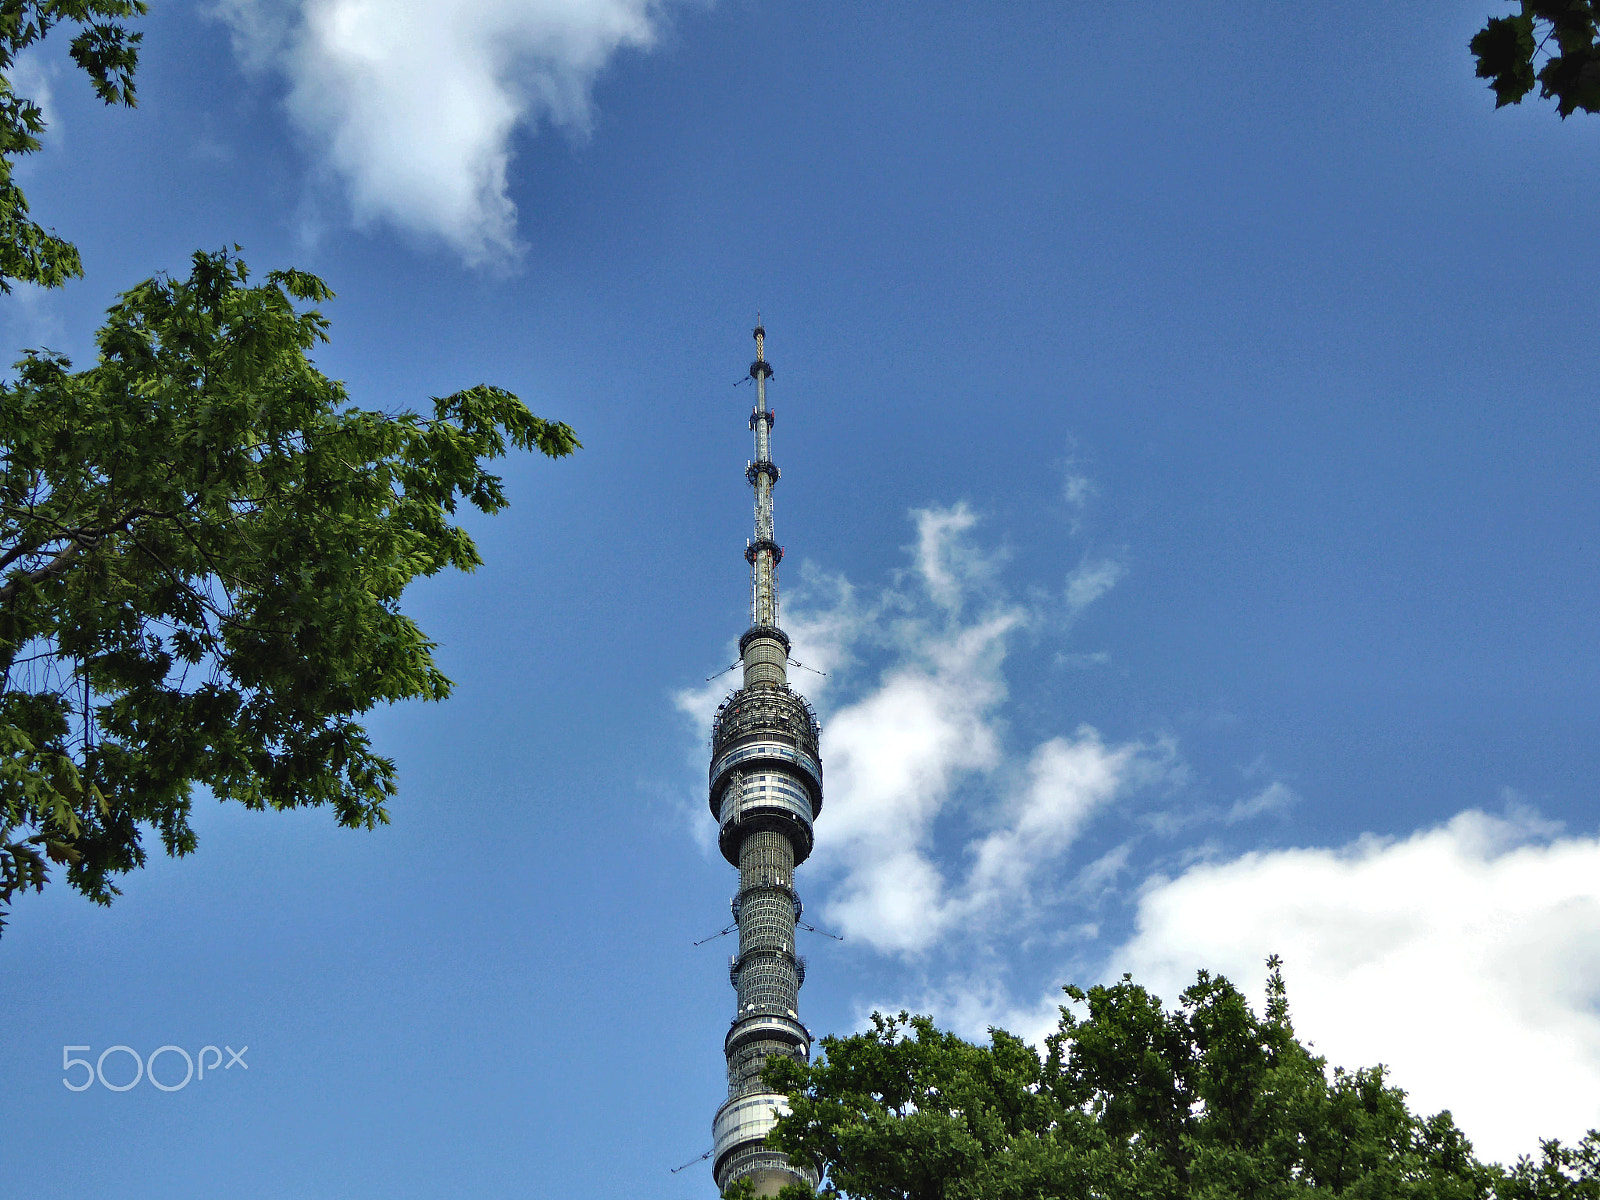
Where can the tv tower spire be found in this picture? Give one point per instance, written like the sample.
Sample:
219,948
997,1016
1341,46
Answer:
766,789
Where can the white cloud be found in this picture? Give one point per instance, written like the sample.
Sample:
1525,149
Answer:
894,759
1465,957
413,103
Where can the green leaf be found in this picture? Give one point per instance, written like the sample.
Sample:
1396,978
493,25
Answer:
1504,48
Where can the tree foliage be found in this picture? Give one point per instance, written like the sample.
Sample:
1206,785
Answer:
108,52
1134,1101
204,548
202,544
1548,43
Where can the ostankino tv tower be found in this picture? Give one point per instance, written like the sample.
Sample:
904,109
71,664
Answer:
766,789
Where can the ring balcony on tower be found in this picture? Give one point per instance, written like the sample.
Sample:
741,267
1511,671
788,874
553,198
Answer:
763,631
765,769
757,545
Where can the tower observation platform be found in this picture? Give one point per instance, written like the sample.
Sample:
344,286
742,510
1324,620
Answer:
766,790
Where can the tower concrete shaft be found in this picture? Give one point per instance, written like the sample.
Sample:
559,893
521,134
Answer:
766,790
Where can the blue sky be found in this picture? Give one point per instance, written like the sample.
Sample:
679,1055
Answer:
1188,427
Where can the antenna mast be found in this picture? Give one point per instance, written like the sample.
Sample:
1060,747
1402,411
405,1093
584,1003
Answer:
762,552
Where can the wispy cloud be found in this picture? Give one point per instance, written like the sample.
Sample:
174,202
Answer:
1276,797
1090,580
949,566
30,316
1067,781
922,742
33,78
1078,489
412,104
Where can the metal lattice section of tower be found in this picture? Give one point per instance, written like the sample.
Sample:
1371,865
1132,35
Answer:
766,790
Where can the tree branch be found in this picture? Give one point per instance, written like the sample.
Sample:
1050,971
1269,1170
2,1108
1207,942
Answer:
82,539
56,566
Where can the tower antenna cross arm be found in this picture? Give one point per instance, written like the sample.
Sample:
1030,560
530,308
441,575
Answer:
766,790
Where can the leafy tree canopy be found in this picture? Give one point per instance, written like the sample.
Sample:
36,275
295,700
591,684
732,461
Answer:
1551,43
204,548
1134,1101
